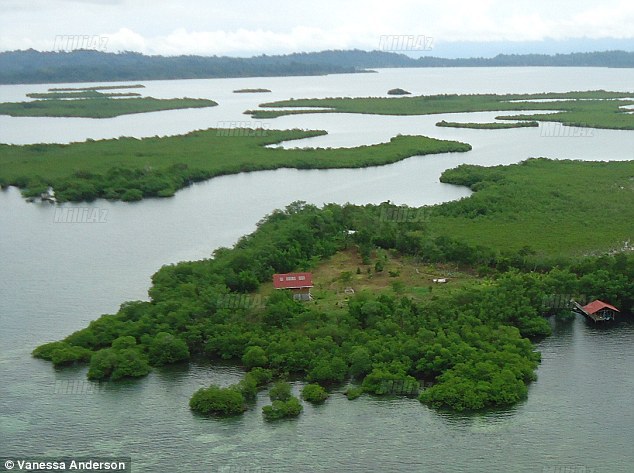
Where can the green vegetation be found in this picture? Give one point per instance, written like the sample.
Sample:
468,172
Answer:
354,392
283,405
381,381
222,402
471,337
98,87
314,394
552,208
594,109
261,376
487,126
22,67
62,354
82,94
165,349
251,91
101,106
34,67
282,409
232,400
281,391
130,169
122,360
398,92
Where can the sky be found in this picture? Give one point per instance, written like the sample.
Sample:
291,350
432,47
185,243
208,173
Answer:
449,28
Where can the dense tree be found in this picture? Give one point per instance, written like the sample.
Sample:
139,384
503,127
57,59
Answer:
165,349
472,340
282,409
314,393
217,401
281,391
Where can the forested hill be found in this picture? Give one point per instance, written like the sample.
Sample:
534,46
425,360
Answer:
28,67
23,67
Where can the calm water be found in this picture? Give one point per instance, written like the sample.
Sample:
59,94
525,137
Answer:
57,277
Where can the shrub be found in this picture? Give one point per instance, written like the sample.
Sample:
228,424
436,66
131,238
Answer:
261,376
70,355
254,357
281,391
102,364
124,342
328,370
354,392
248,387
282,409
62,353
383,382
132,195
360,362
165,348
314,393
46,350
114,364
217,401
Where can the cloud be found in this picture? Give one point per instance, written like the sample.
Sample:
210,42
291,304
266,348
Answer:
125,40
251,27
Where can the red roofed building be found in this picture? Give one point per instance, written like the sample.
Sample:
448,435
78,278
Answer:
298,283
599,310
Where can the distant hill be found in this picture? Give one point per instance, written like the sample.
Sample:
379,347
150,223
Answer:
379,59
30,66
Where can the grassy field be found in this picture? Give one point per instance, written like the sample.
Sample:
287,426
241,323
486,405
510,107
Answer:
594,109
101,107
160,166
401,275
569,208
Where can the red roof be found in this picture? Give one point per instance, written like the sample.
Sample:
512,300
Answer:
292,280
596,306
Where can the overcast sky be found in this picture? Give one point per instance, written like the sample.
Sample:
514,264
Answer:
249,27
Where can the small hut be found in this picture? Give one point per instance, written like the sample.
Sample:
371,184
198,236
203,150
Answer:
597,311
298,283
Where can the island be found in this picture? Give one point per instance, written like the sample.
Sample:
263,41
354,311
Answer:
130,169
94,104
251,91
488,126
398,92
449,297
592,109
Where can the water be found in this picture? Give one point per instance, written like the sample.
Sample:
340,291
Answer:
56,277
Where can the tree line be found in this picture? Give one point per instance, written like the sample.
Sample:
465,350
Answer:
30,66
